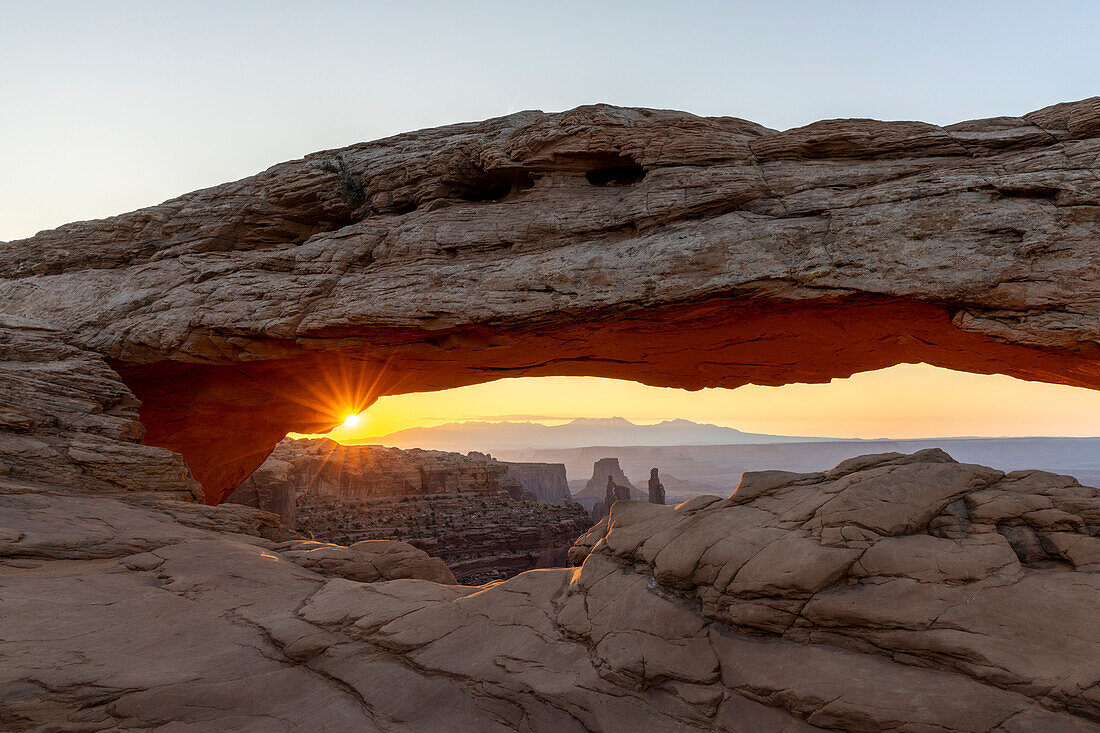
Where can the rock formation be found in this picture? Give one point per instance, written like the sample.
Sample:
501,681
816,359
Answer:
326,468
887,580
66,419
470,511
607,470
274,486
891,593
547,482
478,251
481,537
612,493
616,492
656,488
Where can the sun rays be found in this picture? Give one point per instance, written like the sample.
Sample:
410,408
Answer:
338,387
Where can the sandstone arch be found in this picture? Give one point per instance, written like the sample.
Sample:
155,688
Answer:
642,244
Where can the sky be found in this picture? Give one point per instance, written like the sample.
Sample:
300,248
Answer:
110,106
904,401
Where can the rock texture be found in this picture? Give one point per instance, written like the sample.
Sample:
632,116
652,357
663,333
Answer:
599,241
612,493
327,469
608,470
547,482
481,536
887,580
656,488
891,593
470,511
66,419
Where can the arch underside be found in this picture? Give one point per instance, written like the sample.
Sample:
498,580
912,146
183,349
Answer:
226,418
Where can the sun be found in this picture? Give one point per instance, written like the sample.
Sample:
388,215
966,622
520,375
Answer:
351,421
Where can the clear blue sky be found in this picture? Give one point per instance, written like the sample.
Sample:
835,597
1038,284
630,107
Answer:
109,106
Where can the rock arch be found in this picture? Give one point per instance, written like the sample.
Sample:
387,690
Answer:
640,244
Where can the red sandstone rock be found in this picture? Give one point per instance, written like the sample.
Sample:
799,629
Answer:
599,241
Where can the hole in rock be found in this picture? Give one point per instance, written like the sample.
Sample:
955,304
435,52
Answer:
494,185
620,175
225,418
518,455
601,169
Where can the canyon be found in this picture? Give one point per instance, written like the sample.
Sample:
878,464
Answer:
485,519
152,361
690,470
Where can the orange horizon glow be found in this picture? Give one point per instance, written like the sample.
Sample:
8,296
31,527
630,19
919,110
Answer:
904,401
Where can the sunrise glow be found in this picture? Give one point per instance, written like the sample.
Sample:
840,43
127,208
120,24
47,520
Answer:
904,401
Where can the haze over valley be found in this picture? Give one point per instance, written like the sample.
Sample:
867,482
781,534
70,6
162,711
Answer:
699,458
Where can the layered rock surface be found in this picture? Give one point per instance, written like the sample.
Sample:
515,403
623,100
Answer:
328,470
481,537
600,241
66,419
892,593
469,510
547,482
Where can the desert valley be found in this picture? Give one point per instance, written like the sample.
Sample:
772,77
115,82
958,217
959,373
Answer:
489,519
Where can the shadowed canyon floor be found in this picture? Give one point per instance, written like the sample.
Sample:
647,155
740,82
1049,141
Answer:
891,593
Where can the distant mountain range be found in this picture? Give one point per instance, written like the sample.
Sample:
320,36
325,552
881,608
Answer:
612,431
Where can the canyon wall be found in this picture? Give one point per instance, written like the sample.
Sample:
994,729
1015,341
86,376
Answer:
480,537
329,469
475,513
546,481
326,468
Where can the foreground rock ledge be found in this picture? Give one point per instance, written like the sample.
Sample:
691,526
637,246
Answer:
891,593
643,244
